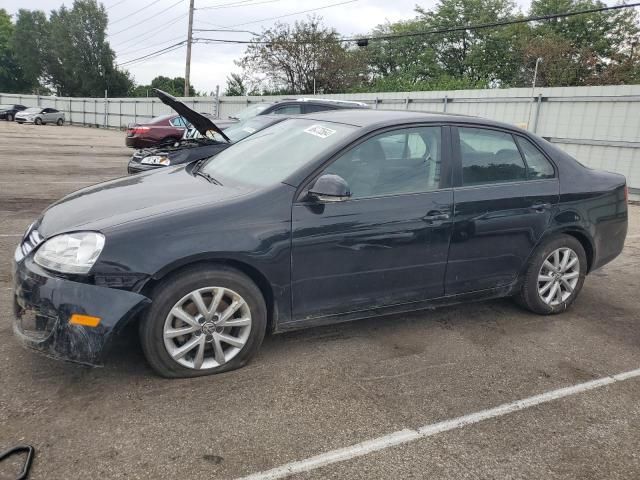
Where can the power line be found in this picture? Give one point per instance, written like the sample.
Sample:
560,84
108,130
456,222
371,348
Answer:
111,35
291,14
244,3
441,30
155,45
137,11
157,53
115,4
153,31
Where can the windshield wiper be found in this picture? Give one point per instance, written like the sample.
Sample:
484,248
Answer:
208,177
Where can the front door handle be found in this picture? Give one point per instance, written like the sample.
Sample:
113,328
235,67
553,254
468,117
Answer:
541,207
435,216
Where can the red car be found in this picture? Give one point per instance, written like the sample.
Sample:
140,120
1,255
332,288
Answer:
162,129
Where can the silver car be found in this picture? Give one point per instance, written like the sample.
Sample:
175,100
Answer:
40,116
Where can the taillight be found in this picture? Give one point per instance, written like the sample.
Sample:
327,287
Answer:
138,130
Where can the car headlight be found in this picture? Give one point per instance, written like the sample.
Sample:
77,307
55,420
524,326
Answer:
70,252
156,160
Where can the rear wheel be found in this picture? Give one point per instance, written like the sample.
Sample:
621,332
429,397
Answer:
555,276
38,121
9,117
60,122
202,321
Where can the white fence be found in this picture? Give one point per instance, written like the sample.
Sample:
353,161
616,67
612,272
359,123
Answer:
598,125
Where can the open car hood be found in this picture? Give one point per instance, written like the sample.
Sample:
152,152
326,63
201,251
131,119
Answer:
199,121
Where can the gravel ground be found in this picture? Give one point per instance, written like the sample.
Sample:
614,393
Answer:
312,391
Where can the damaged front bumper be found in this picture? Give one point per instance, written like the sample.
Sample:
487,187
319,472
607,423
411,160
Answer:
43,305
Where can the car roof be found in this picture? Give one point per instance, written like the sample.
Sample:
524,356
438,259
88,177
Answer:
338,104
361,117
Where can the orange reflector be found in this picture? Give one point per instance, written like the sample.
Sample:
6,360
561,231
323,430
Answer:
85,320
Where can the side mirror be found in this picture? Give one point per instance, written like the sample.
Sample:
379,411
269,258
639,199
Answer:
330,188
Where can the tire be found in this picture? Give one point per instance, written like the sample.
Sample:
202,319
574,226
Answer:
169,139
173,294
533,293
9,117
38,121
60,122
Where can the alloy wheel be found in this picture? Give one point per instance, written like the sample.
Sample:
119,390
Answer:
207,328
558,276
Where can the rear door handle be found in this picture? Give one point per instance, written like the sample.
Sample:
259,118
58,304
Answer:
435,216
541,207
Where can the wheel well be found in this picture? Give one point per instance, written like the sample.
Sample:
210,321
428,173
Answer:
586,244
255,275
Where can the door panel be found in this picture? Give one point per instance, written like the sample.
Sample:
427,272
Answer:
388,243
366,253
497,222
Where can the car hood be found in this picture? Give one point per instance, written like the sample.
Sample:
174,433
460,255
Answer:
199,121
132,198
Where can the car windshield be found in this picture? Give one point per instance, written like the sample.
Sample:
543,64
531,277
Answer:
33,110
271,155
250,112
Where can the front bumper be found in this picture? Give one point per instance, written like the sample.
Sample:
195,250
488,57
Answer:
137,167
44,303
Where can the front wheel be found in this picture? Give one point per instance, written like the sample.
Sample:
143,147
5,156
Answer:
202,321
9,117
555,276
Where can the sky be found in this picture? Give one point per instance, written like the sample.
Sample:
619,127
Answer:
137,28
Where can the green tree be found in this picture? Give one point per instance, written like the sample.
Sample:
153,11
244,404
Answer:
235,86
292,58
79,60
11,75
30,42
173,86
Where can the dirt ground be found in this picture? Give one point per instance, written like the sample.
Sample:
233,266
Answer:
314,391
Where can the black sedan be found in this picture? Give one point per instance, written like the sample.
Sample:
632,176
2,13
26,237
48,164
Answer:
335,217
8,112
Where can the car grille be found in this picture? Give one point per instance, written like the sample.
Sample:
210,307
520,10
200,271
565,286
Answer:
30,242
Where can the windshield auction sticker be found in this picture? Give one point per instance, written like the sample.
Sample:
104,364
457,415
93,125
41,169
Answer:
320,131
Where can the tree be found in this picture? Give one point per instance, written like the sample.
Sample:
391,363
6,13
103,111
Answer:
294,58
235,86
79,60
30,42
11,75
173,86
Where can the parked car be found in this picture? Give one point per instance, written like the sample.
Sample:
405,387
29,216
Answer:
40,116
8,112
164,129
289,106
314,220
203,141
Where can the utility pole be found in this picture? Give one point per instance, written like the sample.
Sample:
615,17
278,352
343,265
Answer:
187,71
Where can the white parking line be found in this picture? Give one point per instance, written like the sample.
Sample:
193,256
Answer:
410,435
11,234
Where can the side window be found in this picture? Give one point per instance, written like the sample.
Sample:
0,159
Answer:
288,110
392,163
310,108
53,110
45,110
489,156
178,122
538,165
